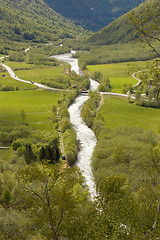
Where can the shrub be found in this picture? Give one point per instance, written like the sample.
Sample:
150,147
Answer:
16,144
71,158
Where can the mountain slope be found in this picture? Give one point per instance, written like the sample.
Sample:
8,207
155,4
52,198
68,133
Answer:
122,30
24,20
93,14
119,31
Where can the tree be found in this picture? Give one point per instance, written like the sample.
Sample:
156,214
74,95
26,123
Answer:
145,21
117,207
16,144
58,202
97,76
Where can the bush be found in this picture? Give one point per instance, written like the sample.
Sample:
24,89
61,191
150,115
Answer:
89,108
16,144
105,86
71,158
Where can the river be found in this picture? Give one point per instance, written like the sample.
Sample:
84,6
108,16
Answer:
85,135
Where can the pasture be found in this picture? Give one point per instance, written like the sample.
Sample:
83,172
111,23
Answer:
36,104
37,73
118,112
8,81
118,73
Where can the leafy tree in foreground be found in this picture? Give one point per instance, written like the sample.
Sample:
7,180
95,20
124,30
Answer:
60,207
146,21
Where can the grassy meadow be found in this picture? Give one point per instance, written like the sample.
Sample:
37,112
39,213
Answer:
118,112
40,74
36,104
118,73
52,76
8,81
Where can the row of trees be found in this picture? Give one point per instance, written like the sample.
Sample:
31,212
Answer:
69,137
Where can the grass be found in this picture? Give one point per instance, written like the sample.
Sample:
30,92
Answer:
36,73
8,81
19,65
36,104
118,112
118,73
5,155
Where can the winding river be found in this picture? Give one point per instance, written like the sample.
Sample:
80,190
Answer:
85,135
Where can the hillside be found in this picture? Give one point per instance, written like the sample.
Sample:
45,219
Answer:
93,14
121,30
25,20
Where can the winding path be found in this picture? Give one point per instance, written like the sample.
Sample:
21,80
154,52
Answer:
13,75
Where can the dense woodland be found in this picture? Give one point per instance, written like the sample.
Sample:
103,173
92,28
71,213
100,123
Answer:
34,21
94,14
44,196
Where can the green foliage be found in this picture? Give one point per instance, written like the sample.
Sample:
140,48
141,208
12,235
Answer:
16,144
9,88
92,16
118,73
98,124
117,112
127,88
49,190
124,150
34,21
116,53
105,86
89,109
97,76
6,197
17,56
68,133
145,21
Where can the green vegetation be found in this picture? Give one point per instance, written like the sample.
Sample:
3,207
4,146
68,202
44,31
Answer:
43,69
69,137
51,76
93,54
118,112
142,18
92,15
116,42
34,21
118,74
27,123
8,81
36,105
88,112
145,21
36,185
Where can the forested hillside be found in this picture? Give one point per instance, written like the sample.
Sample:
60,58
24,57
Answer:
122,29
93,14
33,20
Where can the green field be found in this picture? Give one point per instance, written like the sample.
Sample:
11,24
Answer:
36,104
118,112
8,81
6,155
36,73
118,73
18,65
